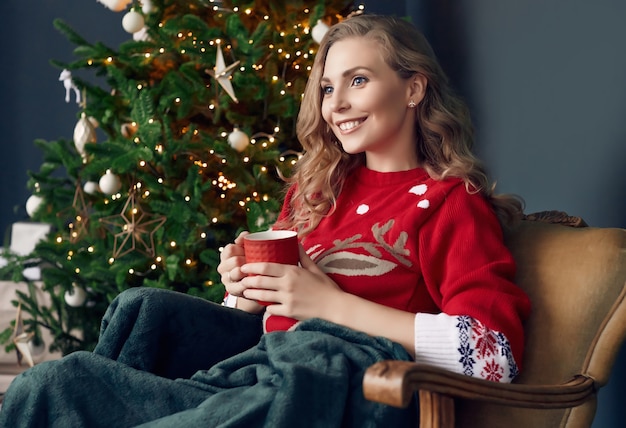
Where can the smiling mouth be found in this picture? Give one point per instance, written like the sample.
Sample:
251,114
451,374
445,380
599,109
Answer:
347,126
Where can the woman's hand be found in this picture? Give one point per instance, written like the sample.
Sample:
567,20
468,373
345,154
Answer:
299,292
303,292
231,260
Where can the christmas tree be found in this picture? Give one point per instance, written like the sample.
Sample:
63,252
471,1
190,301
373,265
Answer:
183,146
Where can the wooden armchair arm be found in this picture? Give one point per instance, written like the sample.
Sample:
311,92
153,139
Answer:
394,382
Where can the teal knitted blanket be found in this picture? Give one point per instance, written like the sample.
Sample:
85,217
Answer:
311,377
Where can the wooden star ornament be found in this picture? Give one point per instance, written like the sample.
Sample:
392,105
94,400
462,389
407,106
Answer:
79,226
77,215
222,74
133,229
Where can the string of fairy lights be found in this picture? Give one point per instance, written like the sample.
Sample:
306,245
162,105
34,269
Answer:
292,47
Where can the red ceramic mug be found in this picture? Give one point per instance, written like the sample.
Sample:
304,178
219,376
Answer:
275,246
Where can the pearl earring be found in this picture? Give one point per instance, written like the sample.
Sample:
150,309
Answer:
412,104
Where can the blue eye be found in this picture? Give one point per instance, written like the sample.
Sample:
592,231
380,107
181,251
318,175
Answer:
327,90
359,80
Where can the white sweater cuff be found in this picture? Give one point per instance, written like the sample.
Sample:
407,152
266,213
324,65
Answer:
463,345
436,336
230,301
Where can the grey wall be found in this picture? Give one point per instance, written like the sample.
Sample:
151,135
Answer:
546,81
548,85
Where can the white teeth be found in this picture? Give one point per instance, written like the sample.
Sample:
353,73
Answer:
346,126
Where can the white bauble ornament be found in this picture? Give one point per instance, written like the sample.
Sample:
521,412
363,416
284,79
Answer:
75,297
319,30
110,183
91,187
116,5
238,140
32,204
133,22
84,133
147,6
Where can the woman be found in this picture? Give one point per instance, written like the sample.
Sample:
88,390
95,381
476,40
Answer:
401,257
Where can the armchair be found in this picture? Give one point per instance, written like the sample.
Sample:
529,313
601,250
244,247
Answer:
576,280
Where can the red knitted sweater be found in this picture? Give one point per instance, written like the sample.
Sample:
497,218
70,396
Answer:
413,243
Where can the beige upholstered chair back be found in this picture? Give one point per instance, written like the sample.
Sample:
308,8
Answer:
576,279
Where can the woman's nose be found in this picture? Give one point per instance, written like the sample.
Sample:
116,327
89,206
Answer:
339,101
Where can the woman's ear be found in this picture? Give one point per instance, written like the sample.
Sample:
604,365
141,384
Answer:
417,88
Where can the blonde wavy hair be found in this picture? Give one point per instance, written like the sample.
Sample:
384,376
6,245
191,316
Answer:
445,134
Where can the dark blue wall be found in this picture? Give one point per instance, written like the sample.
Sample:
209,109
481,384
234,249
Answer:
546,81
